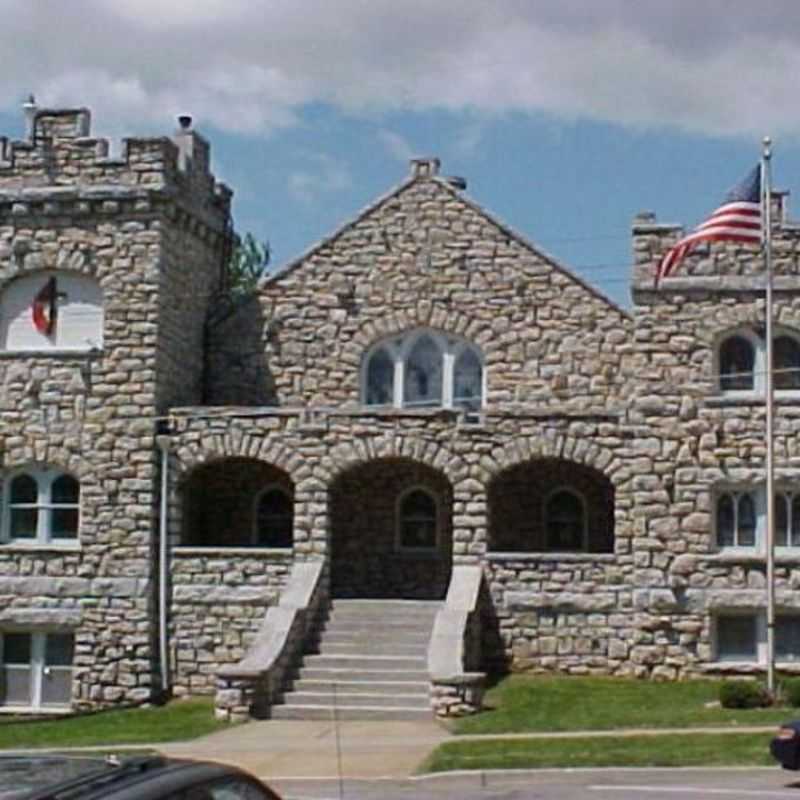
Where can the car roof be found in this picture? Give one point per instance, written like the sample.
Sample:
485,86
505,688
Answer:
137,779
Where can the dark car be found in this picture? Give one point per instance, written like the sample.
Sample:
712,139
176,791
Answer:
785,747
150,778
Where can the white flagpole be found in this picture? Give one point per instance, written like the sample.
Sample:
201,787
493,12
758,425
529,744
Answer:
766,189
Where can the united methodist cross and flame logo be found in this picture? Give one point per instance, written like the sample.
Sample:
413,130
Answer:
44,309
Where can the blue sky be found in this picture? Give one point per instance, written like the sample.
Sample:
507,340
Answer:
566,117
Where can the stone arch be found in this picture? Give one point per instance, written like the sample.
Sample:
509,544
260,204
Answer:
43,452
361,451
236,443
552,445
524,518
309,490
376,550
219,504
26,261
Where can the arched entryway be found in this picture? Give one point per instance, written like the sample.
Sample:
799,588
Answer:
238,502
391,531
551,505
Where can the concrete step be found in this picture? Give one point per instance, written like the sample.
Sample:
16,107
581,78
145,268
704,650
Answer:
357,650
364,661
361,713
371,674
384,613
358,699
360,686
387,644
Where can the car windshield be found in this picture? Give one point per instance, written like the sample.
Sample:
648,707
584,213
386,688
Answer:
22,774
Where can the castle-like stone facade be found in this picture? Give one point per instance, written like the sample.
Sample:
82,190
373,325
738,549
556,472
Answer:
423,389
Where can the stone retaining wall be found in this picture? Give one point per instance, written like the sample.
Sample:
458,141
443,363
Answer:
219,598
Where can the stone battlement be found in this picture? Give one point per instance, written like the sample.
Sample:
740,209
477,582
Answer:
60,152
721,266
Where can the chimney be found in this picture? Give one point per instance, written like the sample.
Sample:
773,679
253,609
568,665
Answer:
425,167
29,108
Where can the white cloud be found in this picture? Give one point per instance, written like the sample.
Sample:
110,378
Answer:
718,66
323,175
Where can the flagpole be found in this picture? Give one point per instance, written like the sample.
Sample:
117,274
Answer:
766,188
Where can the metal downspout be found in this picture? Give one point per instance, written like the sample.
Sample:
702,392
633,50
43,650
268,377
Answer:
163,535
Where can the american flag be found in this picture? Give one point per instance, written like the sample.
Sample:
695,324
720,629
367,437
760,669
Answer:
738,219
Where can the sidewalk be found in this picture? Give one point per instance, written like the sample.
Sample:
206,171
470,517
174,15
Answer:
297,749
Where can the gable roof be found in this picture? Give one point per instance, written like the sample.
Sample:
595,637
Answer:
443,182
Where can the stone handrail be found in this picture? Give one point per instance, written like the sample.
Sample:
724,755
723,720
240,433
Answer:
250,687
455,647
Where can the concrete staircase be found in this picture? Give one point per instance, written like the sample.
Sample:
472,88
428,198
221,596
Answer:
371,664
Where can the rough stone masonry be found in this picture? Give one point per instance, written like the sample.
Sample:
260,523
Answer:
587,482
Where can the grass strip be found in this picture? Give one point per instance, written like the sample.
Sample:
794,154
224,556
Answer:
523,703
667,750
177,721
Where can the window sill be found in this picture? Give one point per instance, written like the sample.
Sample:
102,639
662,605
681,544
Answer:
55,711
783,555
211,550
749,666
57,353
566,555
742,398
73,547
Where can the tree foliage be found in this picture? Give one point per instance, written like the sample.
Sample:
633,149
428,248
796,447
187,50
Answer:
248,262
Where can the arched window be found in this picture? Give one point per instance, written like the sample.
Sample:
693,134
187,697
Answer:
423,368
41,505
736,519
468,380
274,518
423,374
51,311
380,379
565,521
736,364
786,361
787,519
417,521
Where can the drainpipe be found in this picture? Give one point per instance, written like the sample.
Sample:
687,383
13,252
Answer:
163,533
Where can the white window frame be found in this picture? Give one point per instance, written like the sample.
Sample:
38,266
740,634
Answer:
759,495
272,487
760,633
760,618
399,546
38,669
793,613
398,349
44,477
759,345
584,548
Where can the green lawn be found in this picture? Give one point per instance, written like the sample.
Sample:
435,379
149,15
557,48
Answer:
664,750
522,703
180,719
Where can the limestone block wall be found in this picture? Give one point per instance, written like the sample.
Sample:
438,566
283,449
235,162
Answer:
426,256
66,207
317,447
697,440
219,597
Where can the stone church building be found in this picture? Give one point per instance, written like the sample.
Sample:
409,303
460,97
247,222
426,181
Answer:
424,408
